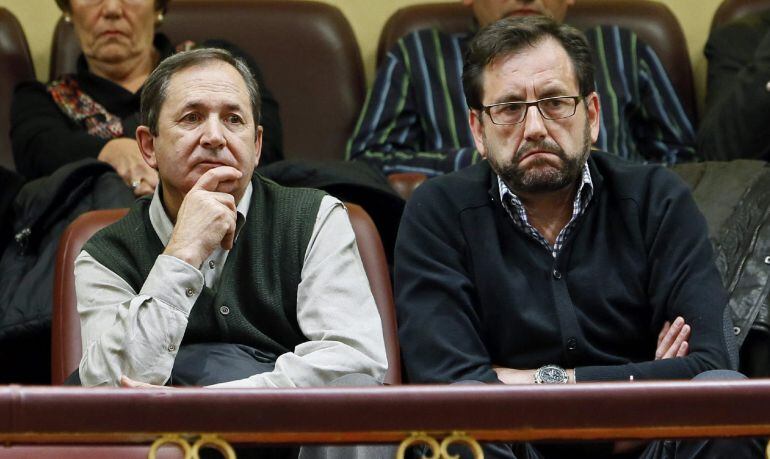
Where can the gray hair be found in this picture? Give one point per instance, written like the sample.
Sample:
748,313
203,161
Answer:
156,86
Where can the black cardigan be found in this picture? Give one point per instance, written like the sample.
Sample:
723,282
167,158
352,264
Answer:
472,290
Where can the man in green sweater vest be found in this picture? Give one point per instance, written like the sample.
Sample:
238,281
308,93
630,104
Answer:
222,277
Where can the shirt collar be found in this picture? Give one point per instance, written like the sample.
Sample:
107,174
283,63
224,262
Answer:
163,227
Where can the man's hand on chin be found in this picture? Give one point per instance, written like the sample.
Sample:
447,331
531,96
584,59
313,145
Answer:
125,381
206,218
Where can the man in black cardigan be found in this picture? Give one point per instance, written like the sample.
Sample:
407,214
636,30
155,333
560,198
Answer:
549,264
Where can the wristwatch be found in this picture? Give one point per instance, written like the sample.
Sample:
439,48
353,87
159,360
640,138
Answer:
551,374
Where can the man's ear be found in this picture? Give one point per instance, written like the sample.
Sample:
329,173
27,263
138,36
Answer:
146,142
258,145
477,128
594,114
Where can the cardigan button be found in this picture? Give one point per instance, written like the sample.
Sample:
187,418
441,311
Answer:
571,344
556,274
224,310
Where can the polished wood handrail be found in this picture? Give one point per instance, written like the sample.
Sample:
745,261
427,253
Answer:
387,414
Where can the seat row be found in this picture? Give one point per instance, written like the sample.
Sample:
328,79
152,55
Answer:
312,62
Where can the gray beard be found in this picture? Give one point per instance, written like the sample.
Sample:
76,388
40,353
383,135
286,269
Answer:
542,175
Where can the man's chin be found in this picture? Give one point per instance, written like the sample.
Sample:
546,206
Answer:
541,176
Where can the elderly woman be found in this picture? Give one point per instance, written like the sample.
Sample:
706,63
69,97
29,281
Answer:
93,113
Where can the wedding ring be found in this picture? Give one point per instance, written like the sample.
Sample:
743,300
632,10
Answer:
135,184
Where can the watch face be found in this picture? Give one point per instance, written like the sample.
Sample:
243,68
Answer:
552,374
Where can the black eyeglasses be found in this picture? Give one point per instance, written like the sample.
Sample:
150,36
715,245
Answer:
550,108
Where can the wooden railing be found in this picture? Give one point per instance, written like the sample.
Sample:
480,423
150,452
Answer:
632,410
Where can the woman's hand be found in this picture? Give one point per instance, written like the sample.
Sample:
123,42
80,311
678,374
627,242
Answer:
124,156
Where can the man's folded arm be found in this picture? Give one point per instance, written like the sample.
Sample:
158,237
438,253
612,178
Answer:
683,281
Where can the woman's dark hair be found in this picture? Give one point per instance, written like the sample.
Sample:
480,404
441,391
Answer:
511,35
160,5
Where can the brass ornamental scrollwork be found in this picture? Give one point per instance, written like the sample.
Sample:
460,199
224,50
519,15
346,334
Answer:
463,439
213,441
419,438
193,451
440,451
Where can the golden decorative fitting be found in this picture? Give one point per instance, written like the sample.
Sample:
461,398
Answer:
419,438
170,439
441,451
461,438
218,444
193,451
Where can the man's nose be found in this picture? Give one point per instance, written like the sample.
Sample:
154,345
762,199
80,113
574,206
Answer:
534,124
213,135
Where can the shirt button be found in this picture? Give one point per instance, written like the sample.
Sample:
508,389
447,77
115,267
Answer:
224,310
189,292
737,330
571,344
212,264
767,86
171,348
556,274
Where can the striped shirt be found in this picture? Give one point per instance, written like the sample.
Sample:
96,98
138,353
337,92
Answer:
513,205
415,118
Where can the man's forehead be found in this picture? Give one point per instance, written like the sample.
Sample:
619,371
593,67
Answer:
210,81
545,61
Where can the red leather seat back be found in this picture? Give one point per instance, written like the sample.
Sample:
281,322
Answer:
651,20
376,267
306,50
66,348
15,67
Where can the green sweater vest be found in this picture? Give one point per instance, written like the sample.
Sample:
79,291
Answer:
259,280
